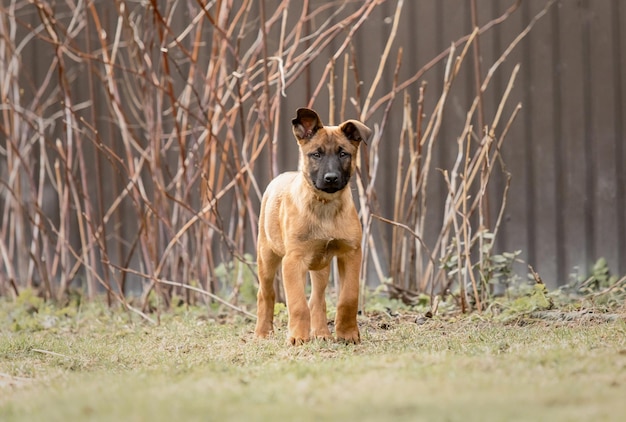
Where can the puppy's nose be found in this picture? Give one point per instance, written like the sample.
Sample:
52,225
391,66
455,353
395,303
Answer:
331,177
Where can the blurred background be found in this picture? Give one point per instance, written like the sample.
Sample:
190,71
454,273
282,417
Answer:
136,138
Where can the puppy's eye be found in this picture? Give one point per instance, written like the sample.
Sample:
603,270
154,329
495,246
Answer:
343,154
316,155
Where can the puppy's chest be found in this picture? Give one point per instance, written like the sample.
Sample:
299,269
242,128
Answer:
331,239
331,234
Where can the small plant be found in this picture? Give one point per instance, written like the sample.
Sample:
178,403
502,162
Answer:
535,299
600,287
30,312
237,279
601,277
500,269
495,271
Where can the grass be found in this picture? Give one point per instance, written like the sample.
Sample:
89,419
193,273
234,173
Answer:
93,363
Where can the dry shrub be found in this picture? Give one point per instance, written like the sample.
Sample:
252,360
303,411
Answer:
136,139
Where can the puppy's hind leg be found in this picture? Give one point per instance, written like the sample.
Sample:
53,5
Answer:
268,263
317,304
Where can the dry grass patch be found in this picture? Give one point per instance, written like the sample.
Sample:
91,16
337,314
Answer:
100,364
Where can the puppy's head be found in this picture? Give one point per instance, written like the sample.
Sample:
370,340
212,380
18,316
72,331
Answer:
327,153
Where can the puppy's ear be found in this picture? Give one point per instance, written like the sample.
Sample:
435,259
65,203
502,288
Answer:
355,131
306,123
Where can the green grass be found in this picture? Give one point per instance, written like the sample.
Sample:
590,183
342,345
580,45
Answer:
97,364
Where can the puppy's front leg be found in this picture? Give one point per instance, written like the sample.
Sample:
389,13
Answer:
294,279
349,266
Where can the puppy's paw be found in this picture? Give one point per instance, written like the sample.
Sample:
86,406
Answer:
322,334
297,341
261,334
349,336
263,329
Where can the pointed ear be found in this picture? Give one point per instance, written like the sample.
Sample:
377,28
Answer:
306,123
355,131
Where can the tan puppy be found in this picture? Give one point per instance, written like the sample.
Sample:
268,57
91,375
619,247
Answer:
307,217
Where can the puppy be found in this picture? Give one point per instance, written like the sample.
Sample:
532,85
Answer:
308,217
